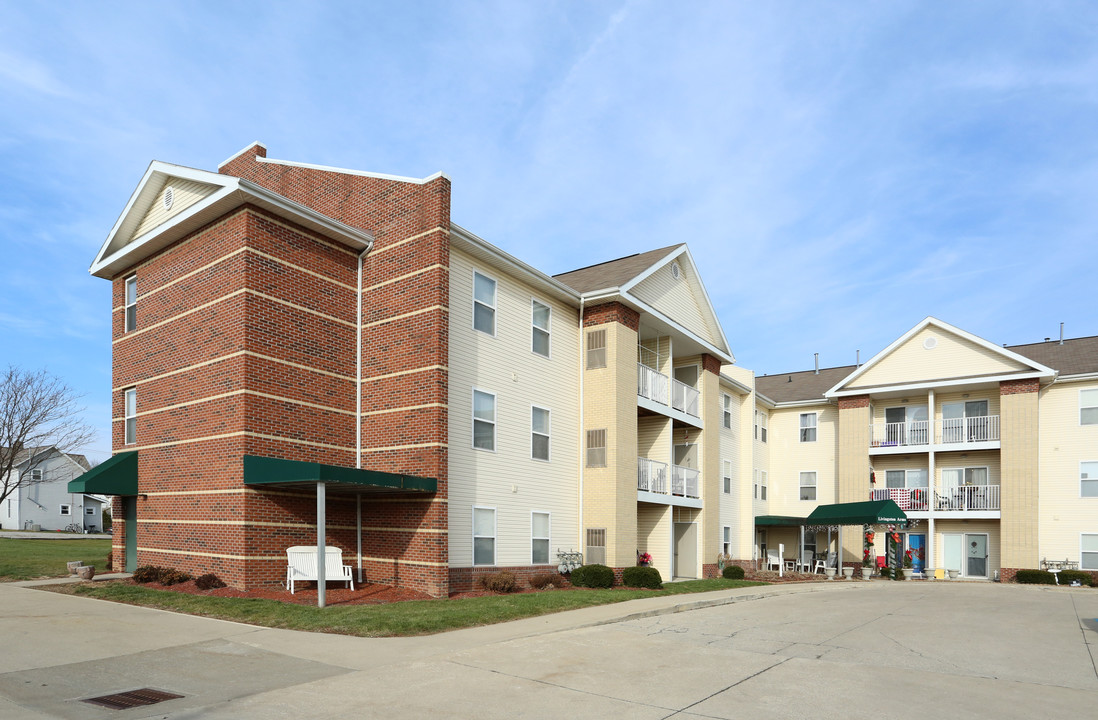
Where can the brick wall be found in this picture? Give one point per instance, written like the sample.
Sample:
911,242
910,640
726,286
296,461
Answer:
611,312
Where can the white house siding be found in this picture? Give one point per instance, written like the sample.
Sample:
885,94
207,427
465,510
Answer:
678,299
789,457
185,193
508,479
40,504
1064,443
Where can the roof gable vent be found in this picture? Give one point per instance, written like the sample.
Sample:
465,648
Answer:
169,197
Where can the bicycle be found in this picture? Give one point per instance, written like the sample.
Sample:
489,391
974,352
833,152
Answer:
74,528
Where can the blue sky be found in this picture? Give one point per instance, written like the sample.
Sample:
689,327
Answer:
840,170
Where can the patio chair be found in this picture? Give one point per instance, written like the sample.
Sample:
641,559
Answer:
773,560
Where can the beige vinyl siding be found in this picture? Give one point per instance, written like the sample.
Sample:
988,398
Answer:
654,436
654,535
1064,443
185,193
680,300
943,527
508,479
761,463
940,399
789,457
946,460
733,446
655,352
953,356
742,509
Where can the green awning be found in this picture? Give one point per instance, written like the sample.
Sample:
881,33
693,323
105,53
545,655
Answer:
275,471
117,476
778,521
870,512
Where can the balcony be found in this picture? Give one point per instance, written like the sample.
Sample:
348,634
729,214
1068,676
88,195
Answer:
653,385
671,397
652,478
980,432
946,498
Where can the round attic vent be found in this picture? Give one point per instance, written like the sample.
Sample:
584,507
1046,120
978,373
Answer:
676,271
930,343
169,197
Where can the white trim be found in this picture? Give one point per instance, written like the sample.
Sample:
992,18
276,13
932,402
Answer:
1081,551
346,171
548,538
1080,477
478,246
126,417
911,387
548,329
473,419
726,477
815,485
1041,370
65,509
725,356
126,304
815,427
495,536
494,306
548,434
1087,407
726,410
736,384
240,152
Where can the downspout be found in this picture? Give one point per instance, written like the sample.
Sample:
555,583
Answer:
358,408
583,436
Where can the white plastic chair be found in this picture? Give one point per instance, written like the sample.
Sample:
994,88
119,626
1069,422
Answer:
819,567
772,560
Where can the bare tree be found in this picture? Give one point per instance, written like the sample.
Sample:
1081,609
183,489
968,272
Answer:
37,412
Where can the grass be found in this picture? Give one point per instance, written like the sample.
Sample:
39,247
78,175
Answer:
418,617
30,559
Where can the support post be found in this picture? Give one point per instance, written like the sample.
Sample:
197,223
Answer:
321,544
358,526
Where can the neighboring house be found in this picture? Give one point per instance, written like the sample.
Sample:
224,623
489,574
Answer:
45,501
302,350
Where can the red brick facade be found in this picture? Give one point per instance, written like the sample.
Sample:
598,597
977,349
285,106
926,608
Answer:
1016,387
245,345
611,312
711,364
854,401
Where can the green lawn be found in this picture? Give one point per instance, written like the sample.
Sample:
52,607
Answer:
417,617
29,559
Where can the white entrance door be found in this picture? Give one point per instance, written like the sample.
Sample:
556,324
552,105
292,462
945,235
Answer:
953,551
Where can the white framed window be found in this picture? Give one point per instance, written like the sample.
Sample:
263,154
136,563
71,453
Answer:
484,420
89,511
596,448
539,433
1088,551
762,484
808,427
726,411
764,421
755,484
541,316
539,538
484,304
1088,478
36,475
808,485
131,303
756,424
596,349
484,536
727,477
66,509
130,402
1088,407
726,540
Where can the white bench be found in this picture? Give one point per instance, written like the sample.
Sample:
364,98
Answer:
301,566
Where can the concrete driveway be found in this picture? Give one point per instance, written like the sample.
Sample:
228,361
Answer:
842,650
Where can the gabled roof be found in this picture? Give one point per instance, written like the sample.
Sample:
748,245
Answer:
1078,356
804,386
613,273
144,229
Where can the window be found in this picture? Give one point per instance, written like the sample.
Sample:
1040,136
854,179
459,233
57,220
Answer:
89,511
726,540
756,424
540,317
539,433
1088,547
539,538
596,349
484,536
130,400
808,427
762,425
762,484
1088,478
36,475
131,303
726,409
1088,407
596,448
66,509
808,485
484,304
484,420
756,484
596,546
727,477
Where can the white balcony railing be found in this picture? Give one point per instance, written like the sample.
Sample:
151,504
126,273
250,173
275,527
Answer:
651,476
652,384
982,428
684,481
906,498
684,398
899,434
967,497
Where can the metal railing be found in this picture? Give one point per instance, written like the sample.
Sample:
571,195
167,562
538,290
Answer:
684,398
652,384
899,434
684,481
905,498
967,497
982,428
651,476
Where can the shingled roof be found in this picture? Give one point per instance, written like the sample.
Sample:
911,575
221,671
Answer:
612,273
1075,357
801,386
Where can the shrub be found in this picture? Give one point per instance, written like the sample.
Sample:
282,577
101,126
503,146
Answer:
593,576
110,557
886,572
170,576
642,577
1034,577
147,574
733,572
1067,576
503,582
544,580
209,581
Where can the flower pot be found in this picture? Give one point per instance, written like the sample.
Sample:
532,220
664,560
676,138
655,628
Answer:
848,572
867,573
85,572
909,573
830,572
73,566
953,574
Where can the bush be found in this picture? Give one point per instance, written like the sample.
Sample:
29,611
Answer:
147,574
733,572
170,576
544,580
593,576
886,572
1067,576
209,581
1034,577
642,577
110,557
503,582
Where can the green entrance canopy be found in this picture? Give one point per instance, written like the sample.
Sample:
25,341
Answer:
275,471
778,521
117,476
870,512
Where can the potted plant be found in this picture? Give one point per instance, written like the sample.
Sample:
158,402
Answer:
644,560
869,558
908,570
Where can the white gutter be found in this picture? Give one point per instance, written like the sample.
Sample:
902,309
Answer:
583,434
358,406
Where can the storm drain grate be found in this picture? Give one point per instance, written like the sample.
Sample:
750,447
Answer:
132,698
